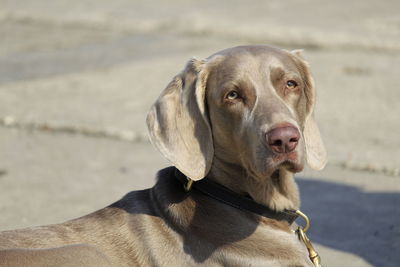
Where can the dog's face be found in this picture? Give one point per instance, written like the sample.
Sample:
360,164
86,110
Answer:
257,103
249,106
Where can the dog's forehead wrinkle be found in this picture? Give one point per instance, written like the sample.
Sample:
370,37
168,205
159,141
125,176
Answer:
266,55
258,71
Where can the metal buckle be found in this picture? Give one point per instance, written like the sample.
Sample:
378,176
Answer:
301,233
188,184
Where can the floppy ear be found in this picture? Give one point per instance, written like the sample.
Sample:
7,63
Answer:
178,123
315,149
316,153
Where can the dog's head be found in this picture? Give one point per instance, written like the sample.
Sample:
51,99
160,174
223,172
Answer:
249,105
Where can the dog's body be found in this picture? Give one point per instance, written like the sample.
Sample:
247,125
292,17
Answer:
164,226
243,118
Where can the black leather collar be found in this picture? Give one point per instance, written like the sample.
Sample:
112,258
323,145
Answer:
224,195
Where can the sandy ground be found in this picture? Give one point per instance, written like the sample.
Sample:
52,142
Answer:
77,79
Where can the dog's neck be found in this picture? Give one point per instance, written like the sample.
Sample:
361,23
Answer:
278,191
192,211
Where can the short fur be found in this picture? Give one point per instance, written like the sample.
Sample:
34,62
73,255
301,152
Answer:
202,132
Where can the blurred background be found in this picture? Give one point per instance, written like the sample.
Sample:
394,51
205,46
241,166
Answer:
78,77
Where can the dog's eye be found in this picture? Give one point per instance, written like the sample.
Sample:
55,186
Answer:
232,95
291,84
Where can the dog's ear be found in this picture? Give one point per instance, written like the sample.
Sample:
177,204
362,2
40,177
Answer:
316,153
178,123
315,149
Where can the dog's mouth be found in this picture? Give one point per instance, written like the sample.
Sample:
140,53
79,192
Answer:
268,163
288,161
291,166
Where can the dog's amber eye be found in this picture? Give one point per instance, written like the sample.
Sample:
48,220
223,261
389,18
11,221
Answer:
232,95
291,84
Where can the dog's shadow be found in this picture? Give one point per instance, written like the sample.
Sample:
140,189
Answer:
348,219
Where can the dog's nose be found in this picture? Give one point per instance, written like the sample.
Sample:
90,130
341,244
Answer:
283,139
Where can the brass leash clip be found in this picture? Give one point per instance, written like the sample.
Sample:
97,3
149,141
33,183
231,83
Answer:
301,233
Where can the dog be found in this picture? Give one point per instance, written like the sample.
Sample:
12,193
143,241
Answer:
235,127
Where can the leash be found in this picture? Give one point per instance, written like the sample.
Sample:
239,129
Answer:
224,195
